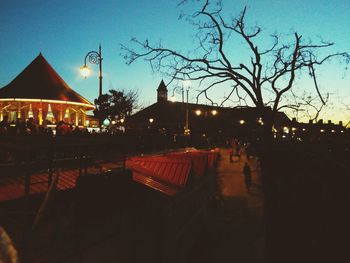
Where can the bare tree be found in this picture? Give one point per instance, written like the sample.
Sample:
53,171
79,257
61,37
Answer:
264,78
306,105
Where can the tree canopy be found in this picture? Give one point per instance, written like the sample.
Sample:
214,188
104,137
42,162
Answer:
115,105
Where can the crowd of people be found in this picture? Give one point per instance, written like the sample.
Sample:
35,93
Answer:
30,127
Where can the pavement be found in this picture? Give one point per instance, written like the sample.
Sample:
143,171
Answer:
234,231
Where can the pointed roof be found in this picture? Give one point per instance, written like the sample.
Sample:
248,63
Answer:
162,86
40,81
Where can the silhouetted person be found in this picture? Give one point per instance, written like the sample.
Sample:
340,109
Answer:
4,126
247,176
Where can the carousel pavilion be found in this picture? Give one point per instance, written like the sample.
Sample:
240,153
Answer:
38,92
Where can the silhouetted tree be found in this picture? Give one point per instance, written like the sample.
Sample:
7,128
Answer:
263,78
116,105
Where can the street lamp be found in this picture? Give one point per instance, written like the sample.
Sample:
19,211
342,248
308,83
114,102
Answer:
95,57
185,86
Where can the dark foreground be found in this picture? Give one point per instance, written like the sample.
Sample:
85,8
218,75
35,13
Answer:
304,218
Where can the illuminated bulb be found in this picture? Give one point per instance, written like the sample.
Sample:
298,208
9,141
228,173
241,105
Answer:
106,122
151,120
242,122
198,112
214,112
85,71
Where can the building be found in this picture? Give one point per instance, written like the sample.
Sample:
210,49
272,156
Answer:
169,117
39,93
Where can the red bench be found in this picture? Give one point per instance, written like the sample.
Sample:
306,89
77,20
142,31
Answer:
163,174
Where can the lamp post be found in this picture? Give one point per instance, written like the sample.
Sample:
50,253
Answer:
95,57
185,85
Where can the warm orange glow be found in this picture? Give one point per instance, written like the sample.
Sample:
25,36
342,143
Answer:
122,120
242,122
50,115
30,112
214,112
333,131
85,71
51,101
40,116
322,130
66,114
198,112
151,120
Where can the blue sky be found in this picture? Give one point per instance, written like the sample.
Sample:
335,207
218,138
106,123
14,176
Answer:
64,31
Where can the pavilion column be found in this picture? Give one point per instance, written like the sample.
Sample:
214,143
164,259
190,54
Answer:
40,114
69,117
18,110
1,112
60,117
84,118
77,118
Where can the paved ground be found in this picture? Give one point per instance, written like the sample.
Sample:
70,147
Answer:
234,231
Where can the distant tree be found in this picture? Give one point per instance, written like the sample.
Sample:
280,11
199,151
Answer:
115,105
263,78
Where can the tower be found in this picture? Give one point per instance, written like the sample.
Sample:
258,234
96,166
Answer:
162,92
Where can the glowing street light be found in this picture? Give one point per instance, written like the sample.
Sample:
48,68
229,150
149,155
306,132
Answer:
85,71
95,57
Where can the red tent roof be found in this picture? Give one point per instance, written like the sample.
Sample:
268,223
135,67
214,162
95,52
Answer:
40,81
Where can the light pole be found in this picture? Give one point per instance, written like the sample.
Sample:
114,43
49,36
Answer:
95,57
185,85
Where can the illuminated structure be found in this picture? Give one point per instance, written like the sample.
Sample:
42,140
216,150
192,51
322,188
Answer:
38,92
170,117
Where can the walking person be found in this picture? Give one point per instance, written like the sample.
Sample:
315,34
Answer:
247,176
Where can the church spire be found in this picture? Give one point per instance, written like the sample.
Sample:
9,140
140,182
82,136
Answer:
162,92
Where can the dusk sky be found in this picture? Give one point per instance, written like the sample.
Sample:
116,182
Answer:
64,31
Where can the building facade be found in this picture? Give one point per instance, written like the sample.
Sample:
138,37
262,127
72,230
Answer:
169,117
